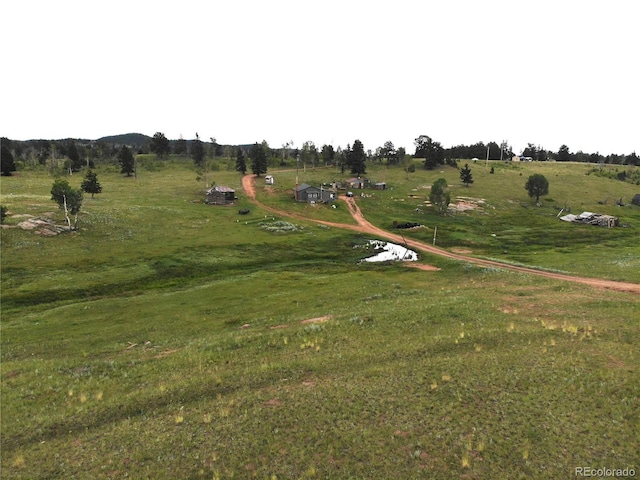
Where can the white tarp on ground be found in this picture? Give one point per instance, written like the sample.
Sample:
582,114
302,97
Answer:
391,251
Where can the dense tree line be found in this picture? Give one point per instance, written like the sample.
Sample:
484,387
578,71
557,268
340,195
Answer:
74,154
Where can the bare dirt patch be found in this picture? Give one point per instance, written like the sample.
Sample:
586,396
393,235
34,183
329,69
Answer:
326,318
422,266
167,352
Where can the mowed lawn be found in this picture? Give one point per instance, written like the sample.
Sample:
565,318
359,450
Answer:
170,339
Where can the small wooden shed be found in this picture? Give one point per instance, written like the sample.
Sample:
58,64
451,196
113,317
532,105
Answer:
220,195
358,183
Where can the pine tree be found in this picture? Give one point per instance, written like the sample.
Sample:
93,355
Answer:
7,164
356,158
439,196
197,152
74,156
160,145
126,160
258,155
465,175
241,163
90,184
537,185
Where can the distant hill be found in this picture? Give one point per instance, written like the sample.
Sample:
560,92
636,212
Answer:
136,140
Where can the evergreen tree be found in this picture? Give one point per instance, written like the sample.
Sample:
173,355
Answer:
90,184
439,196
563,154
537,185
632,159
356,158
465,175
241,163
126,161
258,155
197,151
328,154
160,145
74,156
7,164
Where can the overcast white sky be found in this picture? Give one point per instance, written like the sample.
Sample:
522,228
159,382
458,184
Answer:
546,72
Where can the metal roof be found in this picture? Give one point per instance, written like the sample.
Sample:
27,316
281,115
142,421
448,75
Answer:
220,189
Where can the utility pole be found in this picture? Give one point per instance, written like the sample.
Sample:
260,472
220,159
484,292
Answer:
486,163
297,169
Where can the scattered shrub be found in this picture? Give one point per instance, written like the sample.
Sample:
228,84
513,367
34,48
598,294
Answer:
406,225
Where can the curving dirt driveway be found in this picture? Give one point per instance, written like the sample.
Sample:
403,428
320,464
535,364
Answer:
364,226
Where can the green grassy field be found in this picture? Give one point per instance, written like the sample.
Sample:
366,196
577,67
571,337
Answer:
167,338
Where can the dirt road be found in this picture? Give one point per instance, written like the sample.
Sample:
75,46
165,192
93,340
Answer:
364,226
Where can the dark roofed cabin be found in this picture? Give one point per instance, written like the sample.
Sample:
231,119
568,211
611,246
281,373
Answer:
219,195
308,193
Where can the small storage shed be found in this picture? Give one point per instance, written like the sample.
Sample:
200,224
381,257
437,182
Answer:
220,195
358,183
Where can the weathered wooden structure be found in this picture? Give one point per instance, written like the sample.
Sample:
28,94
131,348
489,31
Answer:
358,183
590,218
220,195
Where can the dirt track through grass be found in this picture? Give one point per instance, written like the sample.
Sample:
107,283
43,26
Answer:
364,226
